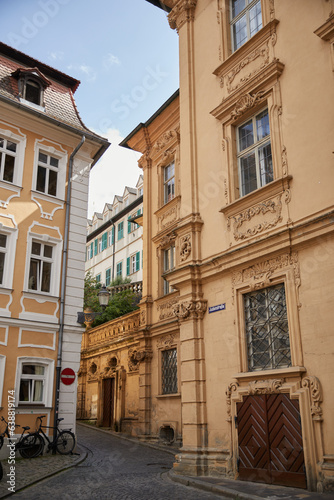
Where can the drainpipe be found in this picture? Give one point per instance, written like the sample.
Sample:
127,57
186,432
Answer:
63,282
113,252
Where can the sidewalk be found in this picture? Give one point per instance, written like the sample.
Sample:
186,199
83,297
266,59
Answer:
33,470
30,471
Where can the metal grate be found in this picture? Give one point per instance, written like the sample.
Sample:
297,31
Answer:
267,329
169,371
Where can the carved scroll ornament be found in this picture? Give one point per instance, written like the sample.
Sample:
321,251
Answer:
313,384
185,247
194,308
247,101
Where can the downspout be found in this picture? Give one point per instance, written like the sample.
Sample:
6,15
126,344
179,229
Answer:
63,282
113,252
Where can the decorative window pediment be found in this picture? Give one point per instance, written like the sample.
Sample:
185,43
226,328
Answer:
31,85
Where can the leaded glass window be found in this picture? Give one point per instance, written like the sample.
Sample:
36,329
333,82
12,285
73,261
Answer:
267,330
169,371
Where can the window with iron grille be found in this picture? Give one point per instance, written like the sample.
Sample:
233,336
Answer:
169,371
267,330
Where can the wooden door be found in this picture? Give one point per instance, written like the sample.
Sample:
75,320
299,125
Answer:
108,402
270,440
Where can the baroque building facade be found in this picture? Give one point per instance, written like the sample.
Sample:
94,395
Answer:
232,345
46,153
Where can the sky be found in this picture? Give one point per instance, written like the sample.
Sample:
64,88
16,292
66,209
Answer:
126,58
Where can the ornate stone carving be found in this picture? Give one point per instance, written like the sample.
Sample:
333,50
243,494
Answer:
182,12
169,217
233,386
284,162
136,356
246,102
244,227
166,309
265,386
262,52
165,139
185,247
193,308
166,241
166,342
258,275
142,317
313,384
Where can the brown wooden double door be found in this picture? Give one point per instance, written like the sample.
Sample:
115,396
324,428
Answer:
270,440
108,402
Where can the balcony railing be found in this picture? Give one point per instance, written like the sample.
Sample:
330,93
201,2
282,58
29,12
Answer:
136,287
114,329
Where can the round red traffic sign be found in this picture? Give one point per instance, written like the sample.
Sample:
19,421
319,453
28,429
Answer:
67,376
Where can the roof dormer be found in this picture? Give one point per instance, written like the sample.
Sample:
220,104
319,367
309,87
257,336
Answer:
31,85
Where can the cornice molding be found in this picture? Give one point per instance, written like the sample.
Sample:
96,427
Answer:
182,13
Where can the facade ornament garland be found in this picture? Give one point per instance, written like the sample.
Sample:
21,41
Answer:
165,139
166,309
166,241
313,384
192,308
246,101
166,342
233,386
185,247
257,387
136,356
182,12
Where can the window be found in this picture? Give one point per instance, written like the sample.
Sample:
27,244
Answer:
8,151
133,263
169,183
119,269
120,231
168,265
98,278
90,251
104,243
41,261
254,153
140,192
246,20
32,383
96,246
3,251
111,236
32,92
108,276
100,245
47,174
267,331
169,371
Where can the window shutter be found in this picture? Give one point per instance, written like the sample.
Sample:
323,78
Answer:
129,225
139,212
128,266
91,250
112,235
104,241
137,261
95,247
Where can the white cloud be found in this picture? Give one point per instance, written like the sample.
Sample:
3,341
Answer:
116,169
110,60
88,71
56,55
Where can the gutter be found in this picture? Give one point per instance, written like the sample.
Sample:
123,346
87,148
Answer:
63,283
95,138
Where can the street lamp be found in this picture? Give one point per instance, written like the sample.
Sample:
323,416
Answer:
88,315
103,296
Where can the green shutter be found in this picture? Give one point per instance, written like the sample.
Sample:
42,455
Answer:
129,225
104,241
137,261
112,235
128,266
95,247
91,250
108,276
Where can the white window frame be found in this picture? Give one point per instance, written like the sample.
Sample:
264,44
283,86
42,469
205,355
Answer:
249,4
120,263
133,264
48,376
167,181
10,250
20,141
2,375
56,261
255,147
170,251
61,155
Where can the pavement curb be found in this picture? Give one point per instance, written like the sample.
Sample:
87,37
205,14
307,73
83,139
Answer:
173,451
212,488
82,457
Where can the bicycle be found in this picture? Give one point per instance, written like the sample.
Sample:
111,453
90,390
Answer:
63,441
29,445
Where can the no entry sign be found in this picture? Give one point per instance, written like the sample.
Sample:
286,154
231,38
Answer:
67,376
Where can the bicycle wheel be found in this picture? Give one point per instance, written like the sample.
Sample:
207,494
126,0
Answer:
65,442
31,445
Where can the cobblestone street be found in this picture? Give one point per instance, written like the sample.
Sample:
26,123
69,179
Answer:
114,469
